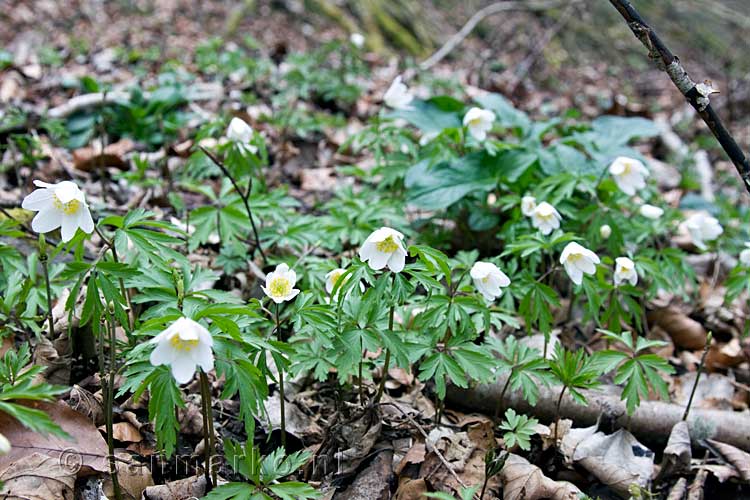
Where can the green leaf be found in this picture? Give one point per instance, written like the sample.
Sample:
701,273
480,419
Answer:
433,115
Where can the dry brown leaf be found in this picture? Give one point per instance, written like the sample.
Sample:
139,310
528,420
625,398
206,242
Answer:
738,458
573,438
617,460
685,331
678,490
373,483
183,489
678,453
298,423
92,157
37,476
57,366
722,472
133,476
125,432
83,453
722,356
6,343
87,404
411,489
524,481
414,456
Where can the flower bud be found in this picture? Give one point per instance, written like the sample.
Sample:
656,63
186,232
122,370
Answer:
605,231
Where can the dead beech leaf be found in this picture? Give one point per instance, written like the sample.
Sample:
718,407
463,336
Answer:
87,404
133,476
678,490
678,453
524,481
85,452
617,460
92,157
411,489
125,432
685,331
182,489
573,438
37,477
738,458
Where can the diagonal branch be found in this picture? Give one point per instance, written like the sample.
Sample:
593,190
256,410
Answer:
244,195
697,95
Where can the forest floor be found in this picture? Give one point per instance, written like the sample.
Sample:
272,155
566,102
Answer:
53,52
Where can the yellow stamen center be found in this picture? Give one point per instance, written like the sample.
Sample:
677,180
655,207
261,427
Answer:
485,279
387,245
68,208
280,287
182,345
335,277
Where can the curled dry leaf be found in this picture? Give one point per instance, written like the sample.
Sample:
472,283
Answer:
87,403
617,460
677,454
92,157
134,478
685,331
573,438
738,458
524,481
183,489
678,490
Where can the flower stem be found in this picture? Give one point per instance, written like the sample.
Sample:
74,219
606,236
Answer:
280,368
387,362
361,379
244,195
557,414
110,402
499,408
209,439
43,260
698,375
123,290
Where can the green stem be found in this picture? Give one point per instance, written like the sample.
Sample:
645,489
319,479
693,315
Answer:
499,408
43,259
361,379
209,438
280,368
698,375
387,362
557,414
110,402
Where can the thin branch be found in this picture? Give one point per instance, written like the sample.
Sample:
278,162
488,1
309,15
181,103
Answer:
244,195
695,94
478,17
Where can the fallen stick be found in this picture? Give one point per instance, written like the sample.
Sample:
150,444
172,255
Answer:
651,422
198,92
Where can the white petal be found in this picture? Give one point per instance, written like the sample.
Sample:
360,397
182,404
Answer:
183,368
67,191
69,227
163,354
39,199
576,275
397,262
85,222
203,357
366,251
378,260
292,294
46,220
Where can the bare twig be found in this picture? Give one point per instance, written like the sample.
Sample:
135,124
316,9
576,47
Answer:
697,376
695,94
413,422
479,16
245,195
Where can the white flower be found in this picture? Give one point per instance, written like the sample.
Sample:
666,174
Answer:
384,247
241,133
650,211
625,271
280,284
629,174
184,345
489,280
578,260
479,122
60,205
332,279
745,255
357,39
702,228
545,218
605,231
528,204
398,96
4,445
